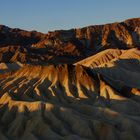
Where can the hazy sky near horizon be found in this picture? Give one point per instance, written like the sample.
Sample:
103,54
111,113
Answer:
49,15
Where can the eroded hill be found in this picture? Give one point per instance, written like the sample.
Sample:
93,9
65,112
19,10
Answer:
84,93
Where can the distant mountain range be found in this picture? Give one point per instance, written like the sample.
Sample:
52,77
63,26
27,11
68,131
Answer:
67,45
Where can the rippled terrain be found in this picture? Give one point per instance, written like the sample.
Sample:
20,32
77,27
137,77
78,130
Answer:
68,92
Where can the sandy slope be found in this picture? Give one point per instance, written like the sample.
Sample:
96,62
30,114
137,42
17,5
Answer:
97,98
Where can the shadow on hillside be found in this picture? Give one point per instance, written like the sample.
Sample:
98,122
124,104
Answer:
66,111
49,107
126,84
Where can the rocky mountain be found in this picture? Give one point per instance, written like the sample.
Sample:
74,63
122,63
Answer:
9,36
78,84
68,46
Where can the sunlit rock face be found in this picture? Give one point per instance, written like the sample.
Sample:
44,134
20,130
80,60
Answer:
68,45
79,84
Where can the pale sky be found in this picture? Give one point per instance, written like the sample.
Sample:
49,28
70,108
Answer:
49,15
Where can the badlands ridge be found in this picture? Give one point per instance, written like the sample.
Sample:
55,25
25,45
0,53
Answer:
80,84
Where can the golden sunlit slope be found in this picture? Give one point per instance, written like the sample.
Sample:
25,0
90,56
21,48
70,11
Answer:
98,102
78,84
120,66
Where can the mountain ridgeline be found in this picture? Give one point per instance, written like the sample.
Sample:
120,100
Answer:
78,84
66,45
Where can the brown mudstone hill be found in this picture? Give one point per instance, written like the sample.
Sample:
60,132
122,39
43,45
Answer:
80,84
